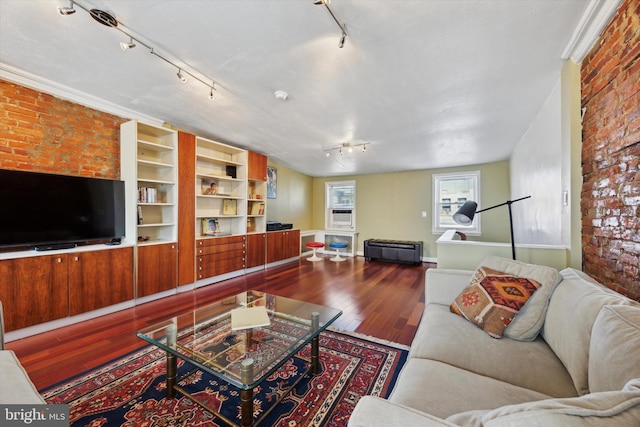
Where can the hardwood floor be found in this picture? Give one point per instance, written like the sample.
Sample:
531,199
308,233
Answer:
379,299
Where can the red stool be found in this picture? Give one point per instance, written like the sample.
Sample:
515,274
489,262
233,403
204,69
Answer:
315,246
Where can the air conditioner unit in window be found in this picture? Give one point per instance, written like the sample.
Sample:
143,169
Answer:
341,218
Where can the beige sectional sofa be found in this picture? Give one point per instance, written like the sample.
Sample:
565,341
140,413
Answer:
570,357
15,385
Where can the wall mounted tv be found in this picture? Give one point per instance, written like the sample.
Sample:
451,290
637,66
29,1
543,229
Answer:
46,211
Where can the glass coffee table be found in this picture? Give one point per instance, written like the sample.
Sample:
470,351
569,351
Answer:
241,340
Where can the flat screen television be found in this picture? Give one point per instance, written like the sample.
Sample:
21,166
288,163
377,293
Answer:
47,211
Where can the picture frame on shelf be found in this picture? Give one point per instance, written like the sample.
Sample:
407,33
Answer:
229,207
272,182
209,187
257,208
210,227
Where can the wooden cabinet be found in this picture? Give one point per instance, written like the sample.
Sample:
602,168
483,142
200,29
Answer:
39,289
99,279
157,269
220,255
256,250
282,245
257,167
34,290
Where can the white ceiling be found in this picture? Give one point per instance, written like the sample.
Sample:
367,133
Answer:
429,83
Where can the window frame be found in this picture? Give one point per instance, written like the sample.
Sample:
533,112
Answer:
437,226
328,189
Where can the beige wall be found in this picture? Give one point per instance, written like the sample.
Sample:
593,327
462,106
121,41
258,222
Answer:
294,201
389,205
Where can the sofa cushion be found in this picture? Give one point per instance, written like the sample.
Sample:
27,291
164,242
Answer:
448,338
572,311
493,299
614,351
377,412
443,390
604,409
528,323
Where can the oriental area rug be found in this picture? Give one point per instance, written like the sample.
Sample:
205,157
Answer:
131,391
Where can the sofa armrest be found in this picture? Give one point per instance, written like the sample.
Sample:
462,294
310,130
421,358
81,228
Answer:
376,412
442,285
16,387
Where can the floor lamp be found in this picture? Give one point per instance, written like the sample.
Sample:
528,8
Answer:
464,216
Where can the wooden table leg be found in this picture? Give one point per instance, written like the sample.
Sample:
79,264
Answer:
246,407
315,355
172,368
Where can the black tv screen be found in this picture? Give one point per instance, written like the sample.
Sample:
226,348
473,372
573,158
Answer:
42,209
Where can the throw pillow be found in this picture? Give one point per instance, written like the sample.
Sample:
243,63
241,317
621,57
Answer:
528,323
492,299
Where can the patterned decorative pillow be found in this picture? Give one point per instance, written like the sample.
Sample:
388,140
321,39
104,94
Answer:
493,299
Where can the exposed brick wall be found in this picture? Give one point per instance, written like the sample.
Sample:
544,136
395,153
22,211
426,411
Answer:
611,154
39,132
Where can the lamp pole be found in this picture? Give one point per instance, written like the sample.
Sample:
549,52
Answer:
508,203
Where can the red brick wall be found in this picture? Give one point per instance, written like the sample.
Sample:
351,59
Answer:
611,154
39,132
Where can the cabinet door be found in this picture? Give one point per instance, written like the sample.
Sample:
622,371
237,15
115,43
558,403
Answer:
99,279
257,167
157,269
292,243
256,249
34,290
275,246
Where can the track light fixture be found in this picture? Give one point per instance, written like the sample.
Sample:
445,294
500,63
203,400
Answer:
108,19
182,78
127,46
343,27
67,10
340,149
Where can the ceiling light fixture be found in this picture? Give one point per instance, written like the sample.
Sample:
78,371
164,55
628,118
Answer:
127,46
67,10
108,19
281,95
343,27
340,149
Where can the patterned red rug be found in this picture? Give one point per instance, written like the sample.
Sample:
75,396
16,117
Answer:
130,391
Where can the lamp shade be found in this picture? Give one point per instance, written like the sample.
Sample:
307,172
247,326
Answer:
464,215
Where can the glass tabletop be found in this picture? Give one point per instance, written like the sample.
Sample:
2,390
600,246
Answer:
267,331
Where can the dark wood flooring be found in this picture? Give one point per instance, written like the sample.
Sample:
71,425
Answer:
380,299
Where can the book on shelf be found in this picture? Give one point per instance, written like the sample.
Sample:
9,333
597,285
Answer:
229,207
147,195
249,317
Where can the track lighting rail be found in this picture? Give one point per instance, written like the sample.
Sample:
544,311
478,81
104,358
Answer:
108,19
343,27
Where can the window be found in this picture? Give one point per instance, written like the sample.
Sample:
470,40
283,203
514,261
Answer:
341,205
450,192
